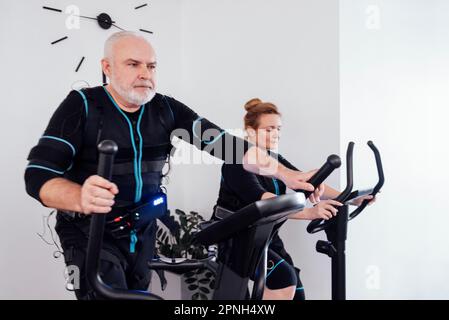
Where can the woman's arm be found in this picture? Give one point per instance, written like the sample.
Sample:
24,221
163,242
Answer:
330,193
323,210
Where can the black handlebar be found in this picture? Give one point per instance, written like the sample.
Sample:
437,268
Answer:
380,182
349,174
107,150
333,162
320,224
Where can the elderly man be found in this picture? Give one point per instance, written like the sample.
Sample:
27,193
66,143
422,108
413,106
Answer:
61,172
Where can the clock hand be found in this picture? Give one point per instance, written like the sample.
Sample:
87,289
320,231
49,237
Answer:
103,19
117,27
92,18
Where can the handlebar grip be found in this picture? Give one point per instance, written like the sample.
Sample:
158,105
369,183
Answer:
333,162
107,150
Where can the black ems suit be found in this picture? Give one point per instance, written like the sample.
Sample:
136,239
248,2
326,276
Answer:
68,149
239,188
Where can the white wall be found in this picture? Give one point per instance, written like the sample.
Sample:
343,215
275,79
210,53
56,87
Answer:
394,90
213,56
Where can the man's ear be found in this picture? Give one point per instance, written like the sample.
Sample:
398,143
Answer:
106,66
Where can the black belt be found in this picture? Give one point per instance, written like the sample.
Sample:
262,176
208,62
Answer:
128,167
73,215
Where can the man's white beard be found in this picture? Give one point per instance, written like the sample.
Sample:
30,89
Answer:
130,95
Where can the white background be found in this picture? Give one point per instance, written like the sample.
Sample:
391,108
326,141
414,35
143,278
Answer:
394,74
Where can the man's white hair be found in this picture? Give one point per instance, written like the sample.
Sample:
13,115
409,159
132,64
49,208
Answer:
110,42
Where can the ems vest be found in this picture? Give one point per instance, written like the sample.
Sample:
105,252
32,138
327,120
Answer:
230,200
143,144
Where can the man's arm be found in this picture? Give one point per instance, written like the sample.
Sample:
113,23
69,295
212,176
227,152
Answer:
62,194
96,195
323,190
57,147
209,137
53,156
327,192
258,161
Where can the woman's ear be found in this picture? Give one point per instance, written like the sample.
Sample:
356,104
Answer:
250,132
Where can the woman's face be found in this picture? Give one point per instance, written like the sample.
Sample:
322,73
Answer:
268,133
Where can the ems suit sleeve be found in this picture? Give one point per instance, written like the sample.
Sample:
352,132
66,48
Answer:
57,147
287,164
242,182
205,135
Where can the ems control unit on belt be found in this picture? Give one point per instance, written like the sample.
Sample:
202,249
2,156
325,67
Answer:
138,217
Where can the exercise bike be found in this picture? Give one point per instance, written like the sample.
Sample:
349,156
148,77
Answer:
246,235
336,228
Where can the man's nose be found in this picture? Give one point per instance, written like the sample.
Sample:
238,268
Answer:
144,73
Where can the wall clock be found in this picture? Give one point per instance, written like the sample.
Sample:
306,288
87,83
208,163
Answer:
102,20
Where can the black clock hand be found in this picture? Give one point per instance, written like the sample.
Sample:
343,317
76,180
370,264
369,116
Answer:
92,18
103,19
118,27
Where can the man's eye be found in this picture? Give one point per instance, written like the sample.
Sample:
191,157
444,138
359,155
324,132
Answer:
132,64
